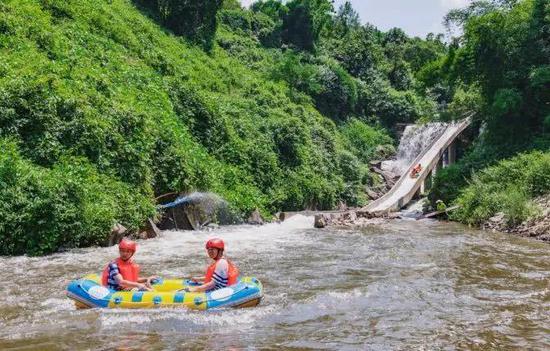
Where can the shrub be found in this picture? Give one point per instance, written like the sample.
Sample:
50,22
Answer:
507,187
195,20
366,141
71,205
448,183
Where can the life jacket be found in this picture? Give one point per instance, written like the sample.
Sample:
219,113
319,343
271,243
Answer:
232,273
128,269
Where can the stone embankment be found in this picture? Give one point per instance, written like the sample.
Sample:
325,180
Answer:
537,227
386,181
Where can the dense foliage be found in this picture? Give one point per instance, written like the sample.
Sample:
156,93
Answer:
500,69
103,110
196,20
507,187
68,205
348,69
105,105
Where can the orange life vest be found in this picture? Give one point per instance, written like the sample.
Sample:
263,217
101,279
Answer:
232,274
128,269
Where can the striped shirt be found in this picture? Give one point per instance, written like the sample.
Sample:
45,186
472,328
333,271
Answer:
113,272
221,274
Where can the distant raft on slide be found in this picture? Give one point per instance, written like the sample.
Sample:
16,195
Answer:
89,293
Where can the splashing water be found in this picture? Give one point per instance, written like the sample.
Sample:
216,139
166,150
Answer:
416,138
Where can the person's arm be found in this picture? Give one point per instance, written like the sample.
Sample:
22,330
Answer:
204,287
220,275
198,279
128,284
147,281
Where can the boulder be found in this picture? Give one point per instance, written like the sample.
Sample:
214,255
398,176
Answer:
149,231
255,218
387,165
373,195
376,170
377,164
117,233
350,216
389,177
499,217
320,221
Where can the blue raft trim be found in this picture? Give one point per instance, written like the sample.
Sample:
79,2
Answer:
137,296
179,297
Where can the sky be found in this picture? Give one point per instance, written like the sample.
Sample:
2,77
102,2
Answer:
415,17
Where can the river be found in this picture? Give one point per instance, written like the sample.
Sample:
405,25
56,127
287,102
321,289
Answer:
403,285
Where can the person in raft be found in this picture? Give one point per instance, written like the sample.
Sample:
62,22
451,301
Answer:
123,273
416,170
221,273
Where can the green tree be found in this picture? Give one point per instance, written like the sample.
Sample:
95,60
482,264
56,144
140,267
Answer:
359,52
275,9
507,53
305,22
196,20
346,20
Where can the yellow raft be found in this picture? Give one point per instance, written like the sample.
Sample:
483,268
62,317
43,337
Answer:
89,293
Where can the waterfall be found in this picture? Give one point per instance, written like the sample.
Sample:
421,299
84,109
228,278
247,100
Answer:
416,138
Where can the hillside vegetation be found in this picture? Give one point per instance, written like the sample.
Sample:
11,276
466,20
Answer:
499,69
104,106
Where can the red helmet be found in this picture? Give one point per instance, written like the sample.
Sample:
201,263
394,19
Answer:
216,243
126,244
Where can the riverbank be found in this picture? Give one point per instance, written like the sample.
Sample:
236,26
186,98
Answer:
537,227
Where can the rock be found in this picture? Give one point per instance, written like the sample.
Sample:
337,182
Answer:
372,194
388,176
149,231
350,216
394,215
376,170
377,164
386,166
499,217
385,151
255,218
283,216
117,233
537,227
320,221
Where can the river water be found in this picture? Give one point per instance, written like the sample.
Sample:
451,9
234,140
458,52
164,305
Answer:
398,286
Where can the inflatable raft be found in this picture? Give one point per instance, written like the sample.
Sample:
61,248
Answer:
89,293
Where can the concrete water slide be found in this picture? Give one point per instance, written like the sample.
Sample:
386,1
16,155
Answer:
406,187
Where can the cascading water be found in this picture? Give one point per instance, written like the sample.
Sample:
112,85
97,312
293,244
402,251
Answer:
416,138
